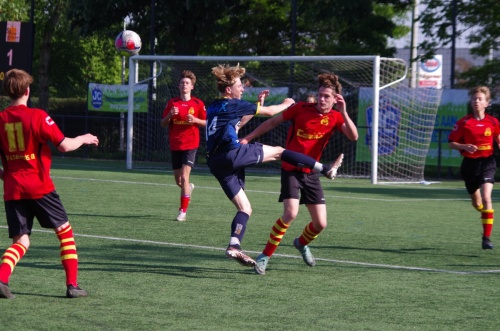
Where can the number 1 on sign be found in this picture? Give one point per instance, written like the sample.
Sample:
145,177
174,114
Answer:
9,55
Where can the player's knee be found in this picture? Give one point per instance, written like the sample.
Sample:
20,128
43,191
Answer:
289,216
22,239
320,226
279,151
273,153
247,210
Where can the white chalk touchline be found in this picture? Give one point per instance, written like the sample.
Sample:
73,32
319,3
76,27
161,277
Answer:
364,264
256,191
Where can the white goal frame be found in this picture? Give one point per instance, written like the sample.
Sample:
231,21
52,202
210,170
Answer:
133,80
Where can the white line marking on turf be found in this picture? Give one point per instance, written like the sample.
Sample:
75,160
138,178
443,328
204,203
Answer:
364,264
257,191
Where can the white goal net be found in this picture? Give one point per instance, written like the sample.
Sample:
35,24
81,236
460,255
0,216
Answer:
388,114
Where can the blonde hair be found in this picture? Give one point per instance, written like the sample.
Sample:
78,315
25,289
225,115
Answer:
226,75
481,89
188,74
330,80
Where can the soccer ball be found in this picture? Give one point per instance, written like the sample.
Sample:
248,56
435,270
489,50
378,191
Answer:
128,43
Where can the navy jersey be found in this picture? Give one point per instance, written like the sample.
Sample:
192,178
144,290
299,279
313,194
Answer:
223,121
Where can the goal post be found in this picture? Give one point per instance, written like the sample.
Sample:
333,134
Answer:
386,111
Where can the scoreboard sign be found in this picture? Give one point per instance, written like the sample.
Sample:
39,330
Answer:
15,46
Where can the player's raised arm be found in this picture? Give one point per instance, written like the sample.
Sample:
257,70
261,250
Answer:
348,128
70,144
263,128
275,109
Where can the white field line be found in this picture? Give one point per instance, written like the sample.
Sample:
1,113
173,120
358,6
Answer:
387,266
256,191
363,264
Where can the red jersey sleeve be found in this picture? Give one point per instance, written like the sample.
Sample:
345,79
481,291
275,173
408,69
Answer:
456,133
47,130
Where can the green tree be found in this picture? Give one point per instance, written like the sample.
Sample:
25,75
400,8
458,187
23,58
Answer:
64,61
13,10
252,27
74,38
478,19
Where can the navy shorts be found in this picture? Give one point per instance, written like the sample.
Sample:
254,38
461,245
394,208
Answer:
476,172
180,158
299,185
229,167
48,210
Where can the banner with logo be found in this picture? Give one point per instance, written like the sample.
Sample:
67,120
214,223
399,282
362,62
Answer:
389,124
403,126
430,73
114,98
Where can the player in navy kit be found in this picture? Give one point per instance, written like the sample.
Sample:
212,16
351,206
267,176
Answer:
227,158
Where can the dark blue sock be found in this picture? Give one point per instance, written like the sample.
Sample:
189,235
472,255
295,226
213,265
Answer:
239,225
298,159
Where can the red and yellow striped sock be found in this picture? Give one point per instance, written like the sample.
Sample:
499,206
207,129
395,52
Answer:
487,220
69,257
9,260
309,234
277,232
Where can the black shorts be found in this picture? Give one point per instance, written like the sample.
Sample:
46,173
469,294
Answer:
186,157
48,210
299,185
476,172
229,167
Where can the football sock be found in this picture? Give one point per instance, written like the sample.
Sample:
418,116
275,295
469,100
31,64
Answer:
69,257
301,160
185,199
238,227
309,234
487,220
277,232
9,260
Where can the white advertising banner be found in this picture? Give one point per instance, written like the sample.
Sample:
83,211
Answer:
430,73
